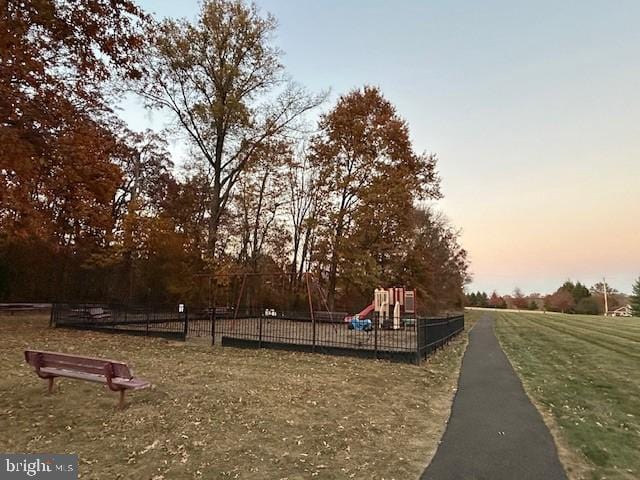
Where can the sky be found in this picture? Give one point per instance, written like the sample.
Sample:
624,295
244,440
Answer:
533,109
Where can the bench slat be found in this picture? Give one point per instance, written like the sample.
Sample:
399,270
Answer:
75,362
128,383
86,368
131,383
61,372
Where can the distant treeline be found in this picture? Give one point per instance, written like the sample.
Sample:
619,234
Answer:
92,211
570,297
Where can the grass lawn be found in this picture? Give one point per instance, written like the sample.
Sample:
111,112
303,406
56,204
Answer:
583,372
224,412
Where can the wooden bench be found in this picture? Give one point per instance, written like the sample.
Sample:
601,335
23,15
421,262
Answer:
116,375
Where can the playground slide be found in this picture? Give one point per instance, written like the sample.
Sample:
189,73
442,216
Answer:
366,311
363,314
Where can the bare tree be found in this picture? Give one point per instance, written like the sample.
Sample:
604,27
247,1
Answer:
304,205
259,200
222,79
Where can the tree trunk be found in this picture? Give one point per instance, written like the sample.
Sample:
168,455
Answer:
256,224
305,254
216,200
333,268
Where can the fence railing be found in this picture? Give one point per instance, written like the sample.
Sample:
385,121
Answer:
409,340
433,333
168,322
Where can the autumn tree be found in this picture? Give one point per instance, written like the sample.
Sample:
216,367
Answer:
222,80
371,177
146,168
560,301
57,169
519,300
435,265
187,204
496,301
55,58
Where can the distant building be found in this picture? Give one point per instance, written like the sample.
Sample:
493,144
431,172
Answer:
621,312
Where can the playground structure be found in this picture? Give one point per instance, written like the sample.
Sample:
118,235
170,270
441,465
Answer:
391,305
247,293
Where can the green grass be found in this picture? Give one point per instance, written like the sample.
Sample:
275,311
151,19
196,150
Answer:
224,412
584,371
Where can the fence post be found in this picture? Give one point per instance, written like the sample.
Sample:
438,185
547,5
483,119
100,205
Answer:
186,322
417,357
425,336
313,318
419,340
260,330
313,322
375,334
51,318
212,314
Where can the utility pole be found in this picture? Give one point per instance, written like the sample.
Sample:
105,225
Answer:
604,288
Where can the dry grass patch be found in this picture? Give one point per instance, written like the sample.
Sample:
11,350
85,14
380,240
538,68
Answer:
226,413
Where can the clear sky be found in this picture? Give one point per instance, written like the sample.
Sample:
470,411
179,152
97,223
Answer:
532,107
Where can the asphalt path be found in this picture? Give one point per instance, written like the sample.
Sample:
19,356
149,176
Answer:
494,432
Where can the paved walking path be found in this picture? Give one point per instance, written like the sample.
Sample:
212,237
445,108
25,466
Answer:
494,432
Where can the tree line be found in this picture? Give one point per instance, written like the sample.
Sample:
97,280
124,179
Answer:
570,297
93,211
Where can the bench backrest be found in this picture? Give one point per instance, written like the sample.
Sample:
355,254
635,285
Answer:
41,359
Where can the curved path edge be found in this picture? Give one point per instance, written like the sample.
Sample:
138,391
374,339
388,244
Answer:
494,431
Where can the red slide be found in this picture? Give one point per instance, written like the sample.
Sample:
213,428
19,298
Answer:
368,309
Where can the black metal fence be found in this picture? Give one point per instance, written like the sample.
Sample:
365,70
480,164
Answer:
169,322
407,340
433,333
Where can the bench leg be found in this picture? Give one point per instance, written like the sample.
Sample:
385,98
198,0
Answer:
50,385
121,402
